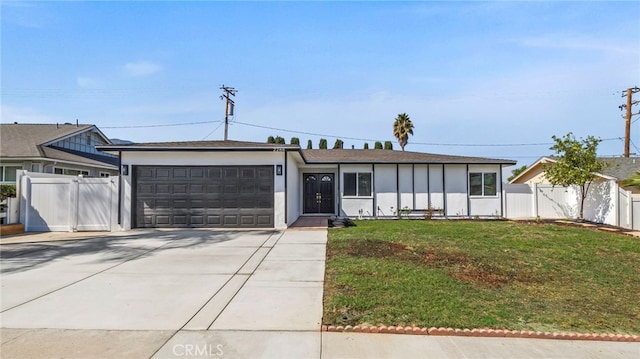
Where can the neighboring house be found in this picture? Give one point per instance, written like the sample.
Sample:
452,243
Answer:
54,148
618,169
248,184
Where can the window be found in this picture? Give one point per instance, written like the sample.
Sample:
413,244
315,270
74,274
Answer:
357,184
9,173
483,183
104,174
35,167
69,172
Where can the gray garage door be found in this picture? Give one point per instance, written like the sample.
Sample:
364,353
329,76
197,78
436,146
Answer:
221,196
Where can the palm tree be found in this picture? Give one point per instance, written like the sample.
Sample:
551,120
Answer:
402,128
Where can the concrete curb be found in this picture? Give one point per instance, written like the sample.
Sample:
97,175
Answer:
481,333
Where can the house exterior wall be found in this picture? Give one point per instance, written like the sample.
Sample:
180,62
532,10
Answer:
204,158
419,186
48,166
405,185
294,190
351,205
385,190
456,178
487,205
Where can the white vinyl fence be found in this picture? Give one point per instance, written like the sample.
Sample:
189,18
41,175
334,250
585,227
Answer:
51,202
605,203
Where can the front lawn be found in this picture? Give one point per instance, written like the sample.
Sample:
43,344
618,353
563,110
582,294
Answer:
482,274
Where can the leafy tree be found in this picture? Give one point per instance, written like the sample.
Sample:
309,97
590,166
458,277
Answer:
338,145
309,144
633,181
402,128
295,141
366,146
388,145
576,164
378,145
270,139
516,172
7,191
280,140
323,144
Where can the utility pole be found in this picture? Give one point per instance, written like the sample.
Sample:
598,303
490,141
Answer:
228,92
628,106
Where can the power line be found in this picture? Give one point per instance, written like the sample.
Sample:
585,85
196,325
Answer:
413,143
214,130
164,125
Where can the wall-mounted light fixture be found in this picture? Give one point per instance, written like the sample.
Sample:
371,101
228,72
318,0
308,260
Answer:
279,170
124,170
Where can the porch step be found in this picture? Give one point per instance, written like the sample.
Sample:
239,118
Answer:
311,222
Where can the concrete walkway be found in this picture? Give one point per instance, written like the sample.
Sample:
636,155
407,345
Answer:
206,293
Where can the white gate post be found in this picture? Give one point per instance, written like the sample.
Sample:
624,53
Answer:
535,200
74,202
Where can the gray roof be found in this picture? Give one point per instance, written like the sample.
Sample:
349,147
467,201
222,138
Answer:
24,140
621,167
19,141
194,145
310,156
391,156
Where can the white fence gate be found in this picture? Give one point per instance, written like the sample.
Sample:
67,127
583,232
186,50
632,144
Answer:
67,203
625,209
605,203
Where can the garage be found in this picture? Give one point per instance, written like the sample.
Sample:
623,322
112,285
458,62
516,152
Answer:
203,196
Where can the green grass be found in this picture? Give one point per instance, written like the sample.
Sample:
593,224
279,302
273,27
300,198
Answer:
482,274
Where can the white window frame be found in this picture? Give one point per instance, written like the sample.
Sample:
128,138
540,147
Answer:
482,176
105,174
358,195
3,173
82,172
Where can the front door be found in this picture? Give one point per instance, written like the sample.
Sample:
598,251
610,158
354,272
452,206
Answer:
318,193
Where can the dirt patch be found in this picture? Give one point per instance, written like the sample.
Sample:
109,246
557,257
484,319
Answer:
374,248
459,265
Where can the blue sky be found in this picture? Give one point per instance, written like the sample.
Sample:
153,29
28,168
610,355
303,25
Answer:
467,73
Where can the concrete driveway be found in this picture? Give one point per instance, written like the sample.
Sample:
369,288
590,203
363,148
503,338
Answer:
205,293
171,293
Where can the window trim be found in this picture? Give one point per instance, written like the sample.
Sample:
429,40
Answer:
482,176
3,173
357,183
82,172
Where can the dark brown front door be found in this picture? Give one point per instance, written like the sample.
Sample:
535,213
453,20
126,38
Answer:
318,193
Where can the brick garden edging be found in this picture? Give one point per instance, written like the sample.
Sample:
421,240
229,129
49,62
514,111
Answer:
480,333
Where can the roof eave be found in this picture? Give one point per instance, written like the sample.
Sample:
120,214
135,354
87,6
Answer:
80,130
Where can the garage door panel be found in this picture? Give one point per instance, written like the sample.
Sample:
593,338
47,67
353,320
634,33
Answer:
162,173
230,219
224,196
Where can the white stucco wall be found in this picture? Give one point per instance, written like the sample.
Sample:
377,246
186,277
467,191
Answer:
455,177
386,190
197,158
421,186
405,177
294,191
436,186
351,206
487,205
